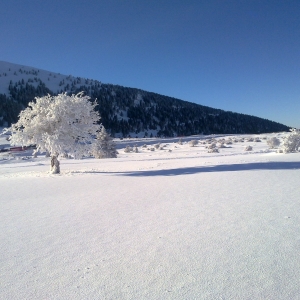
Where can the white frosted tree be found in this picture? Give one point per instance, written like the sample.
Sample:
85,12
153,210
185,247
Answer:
104,147
273,142
58,125
193,143
292,142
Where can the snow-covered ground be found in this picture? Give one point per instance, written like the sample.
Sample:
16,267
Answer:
176,223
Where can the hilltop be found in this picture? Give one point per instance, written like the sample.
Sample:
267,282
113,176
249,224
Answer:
124,111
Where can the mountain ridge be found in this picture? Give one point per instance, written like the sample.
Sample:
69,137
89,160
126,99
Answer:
124,111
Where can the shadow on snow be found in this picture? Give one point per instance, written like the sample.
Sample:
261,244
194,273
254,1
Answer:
217,168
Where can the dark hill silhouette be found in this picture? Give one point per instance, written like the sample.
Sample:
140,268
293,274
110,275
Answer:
125,111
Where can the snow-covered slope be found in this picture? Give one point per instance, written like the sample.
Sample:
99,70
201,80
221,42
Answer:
175,223
13,73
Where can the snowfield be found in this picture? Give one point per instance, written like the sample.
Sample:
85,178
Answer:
175,223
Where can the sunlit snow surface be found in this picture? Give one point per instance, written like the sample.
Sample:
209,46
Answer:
179,224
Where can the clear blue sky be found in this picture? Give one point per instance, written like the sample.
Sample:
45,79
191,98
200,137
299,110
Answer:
241,56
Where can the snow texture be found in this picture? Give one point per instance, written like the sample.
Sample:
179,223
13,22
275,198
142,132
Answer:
179,224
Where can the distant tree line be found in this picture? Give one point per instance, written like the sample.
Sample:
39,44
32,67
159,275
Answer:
127,111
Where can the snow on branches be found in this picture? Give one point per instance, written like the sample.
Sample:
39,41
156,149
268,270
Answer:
104,146
292,142
57,124
273,142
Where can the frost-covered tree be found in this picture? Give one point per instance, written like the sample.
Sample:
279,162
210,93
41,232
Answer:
248,148
292,142
213,150
57,124
104,147
128,149
211,146
273,142
193,143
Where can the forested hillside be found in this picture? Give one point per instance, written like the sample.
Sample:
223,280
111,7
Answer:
124,111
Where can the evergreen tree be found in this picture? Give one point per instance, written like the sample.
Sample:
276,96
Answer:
104,147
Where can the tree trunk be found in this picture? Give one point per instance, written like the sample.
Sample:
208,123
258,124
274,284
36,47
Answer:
54,169
35,153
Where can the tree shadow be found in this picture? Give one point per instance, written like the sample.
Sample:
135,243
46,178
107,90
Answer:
217,168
